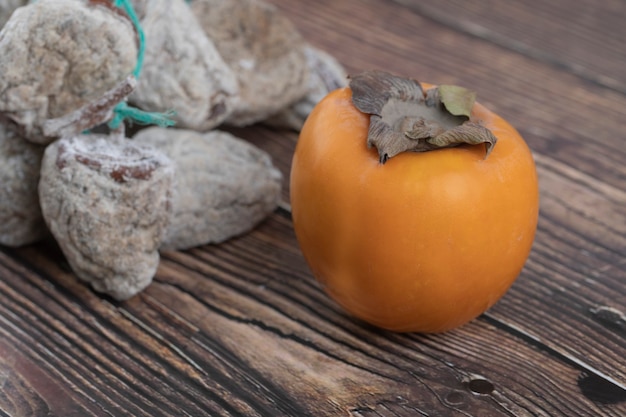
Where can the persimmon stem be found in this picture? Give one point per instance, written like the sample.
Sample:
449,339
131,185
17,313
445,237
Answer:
404,117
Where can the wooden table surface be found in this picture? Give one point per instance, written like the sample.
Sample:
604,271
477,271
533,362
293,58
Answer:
242,328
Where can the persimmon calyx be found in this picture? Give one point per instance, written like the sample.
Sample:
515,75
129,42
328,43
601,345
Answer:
404,117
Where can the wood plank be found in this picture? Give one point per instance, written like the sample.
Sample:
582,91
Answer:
580,154
94,349
575,277
594,231
559,114
585,38
27,390
242,328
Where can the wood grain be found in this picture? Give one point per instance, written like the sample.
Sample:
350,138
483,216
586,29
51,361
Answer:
582,187
558,113
242,328
581,39
237,330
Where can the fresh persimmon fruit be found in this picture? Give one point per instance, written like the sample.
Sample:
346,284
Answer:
412,237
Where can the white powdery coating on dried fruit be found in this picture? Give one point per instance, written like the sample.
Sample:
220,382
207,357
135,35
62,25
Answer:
107,203
7,7
264,50
21,221
58,55
224,187
183,71
326,75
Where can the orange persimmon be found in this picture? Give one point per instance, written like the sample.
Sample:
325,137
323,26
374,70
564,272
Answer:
422,241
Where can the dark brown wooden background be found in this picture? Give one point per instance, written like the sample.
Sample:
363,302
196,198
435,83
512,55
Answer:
243,329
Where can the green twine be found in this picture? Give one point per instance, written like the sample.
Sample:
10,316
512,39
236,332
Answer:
122,110
128,8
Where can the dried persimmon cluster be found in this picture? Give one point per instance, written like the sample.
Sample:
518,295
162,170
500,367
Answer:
69,68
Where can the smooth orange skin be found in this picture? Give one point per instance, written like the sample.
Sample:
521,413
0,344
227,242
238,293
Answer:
427,241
